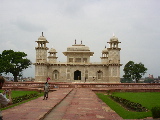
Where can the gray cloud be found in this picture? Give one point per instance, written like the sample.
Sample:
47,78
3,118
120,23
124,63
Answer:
134,22
28,26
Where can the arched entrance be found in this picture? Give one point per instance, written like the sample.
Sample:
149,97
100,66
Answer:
77,75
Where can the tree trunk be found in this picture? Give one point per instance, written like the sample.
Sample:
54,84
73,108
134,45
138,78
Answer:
137,80
15,78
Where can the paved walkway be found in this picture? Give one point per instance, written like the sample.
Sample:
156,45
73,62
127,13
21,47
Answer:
63,104
59,111
85,105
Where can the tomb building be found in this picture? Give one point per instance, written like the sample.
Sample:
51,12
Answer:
78,67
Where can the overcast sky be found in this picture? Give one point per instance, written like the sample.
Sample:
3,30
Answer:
136,23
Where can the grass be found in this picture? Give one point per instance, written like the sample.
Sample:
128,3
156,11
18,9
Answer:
147,99
16,93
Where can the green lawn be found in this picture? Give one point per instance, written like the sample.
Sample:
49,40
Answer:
21,93
16,93
147,99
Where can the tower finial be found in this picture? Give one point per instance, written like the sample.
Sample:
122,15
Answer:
81,41
105,46
75,41
42,33
113,34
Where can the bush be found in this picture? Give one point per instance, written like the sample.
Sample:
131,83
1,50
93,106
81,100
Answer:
155,112
24,97
108,92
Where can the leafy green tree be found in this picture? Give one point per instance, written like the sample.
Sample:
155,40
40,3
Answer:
123,80
13,62
134,71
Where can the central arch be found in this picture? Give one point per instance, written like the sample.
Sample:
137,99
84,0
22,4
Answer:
77,75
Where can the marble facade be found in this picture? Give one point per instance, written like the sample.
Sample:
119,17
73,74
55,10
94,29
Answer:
77,67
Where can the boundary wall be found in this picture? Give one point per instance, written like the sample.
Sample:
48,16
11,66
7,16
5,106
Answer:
130,87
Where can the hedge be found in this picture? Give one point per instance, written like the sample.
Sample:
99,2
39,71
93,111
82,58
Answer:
155,112
129,105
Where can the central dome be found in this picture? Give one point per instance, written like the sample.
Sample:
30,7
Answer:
78,47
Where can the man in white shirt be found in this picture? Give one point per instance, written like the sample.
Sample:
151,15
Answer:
3,99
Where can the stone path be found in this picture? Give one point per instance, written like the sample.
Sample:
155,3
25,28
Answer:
59,111
63,104
85,105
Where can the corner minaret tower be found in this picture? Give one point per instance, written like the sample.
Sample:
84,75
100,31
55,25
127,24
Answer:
41,50
114,60
114,51
104,58
52,58
41,59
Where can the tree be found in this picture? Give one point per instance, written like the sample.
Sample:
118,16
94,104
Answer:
13,62
124,80
134,71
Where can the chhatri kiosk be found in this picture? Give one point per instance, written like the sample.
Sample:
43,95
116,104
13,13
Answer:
77,67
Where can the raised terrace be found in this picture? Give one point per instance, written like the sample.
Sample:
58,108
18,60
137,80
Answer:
137,87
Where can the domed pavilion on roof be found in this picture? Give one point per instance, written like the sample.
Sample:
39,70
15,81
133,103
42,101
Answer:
77,67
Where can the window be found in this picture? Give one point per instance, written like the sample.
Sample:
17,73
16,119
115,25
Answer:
55,74
55,77
70,59
85,60
78,60
99,75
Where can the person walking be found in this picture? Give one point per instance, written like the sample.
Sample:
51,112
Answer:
46,90
48,79
3,99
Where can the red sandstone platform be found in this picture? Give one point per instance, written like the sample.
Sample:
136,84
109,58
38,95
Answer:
63,104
